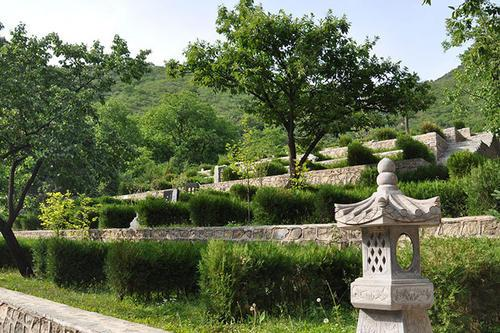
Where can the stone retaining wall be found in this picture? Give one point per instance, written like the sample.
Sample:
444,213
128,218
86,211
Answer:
21,313
472,226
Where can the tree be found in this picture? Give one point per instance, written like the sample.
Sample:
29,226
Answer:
305,75
187,127
47,105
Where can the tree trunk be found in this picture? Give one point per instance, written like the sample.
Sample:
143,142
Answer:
292,154
407,125
23,264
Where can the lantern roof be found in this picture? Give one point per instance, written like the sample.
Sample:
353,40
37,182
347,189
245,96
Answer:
388,205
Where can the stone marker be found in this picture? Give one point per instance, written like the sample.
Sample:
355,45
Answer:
171,195
390,296
135,222
218,169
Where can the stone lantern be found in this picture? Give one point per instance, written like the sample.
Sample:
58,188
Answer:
391,297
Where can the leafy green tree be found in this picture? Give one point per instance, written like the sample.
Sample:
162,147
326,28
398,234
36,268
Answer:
187,127
305,75
47,105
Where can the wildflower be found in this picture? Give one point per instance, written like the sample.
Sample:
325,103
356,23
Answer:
318,300
325,321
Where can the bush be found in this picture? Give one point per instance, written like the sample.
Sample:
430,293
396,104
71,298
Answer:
275,167
368,177
207,210
282,206
243,191
6,259
428,127
71,263
27,221
277,278
451,193
385,133
229,173
328,195
153,270
116,216
39,254
427,172
414,149
344,140
459,124
154,212
480,185
461,163
357,154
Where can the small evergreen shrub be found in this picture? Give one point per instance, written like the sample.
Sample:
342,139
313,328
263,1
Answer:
207,210
357,154
451,193
384,133
461,163
428,127
243,191
275,167
229,173
6,259
328,195
153,270
277,278
427,172
414,149
27,221
314,166
368,177
39,254
71,263
282,206
154,212
480,185
344,140
116,216
459,124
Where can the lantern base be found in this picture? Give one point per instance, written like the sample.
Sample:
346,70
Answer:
402,321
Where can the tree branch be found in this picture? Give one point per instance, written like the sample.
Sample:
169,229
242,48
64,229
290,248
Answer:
311,146
11,187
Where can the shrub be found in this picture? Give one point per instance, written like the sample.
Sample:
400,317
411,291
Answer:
459,124
6,259
328,195
428,127
229,173
116,216
39,254
368,177
275,167
344,140
480,185
206,209
451,193
282,206
427,172
27,221
461,163
277,278
153,270
75,263
243,191
414,149
155,212
314,166
385,133
358,154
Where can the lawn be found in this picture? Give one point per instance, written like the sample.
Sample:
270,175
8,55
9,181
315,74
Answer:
179,314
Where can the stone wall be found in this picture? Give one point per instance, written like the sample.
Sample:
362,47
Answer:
435,142
21,313
338,176
472,226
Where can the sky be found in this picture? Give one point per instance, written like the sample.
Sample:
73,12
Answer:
408,31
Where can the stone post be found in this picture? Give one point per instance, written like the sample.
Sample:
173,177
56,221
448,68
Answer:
218,173
391,297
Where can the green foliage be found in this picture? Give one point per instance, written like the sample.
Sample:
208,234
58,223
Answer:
116,216
229,173
357,154
384,133
153,270
6,258
480,185
451,193
75,263
428,127
414,149
243,191
275,167
282,206
208,209
344,140
368,177
276,278
154,212
461,163
422,173
28,221
459,124
328,195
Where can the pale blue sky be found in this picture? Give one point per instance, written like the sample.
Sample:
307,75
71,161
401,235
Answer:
408,31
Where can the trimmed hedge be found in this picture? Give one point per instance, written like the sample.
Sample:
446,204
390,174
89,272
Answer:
461,163
207,209
384,133
428,127
28,221
282,206
414,149
116,216
328,195
357,154
6,259
153,270
73,263
427,172
154,212
243,191
229,173
275,167
277,278
480,185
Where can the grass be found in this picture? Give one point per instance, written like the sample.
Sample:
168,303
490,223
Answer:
178,314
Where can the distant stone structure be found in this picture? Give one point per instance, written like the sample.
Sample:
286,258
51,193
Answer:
391,297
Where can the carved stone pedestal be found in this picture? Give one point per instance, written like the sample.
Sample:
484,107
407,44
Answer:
403,321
